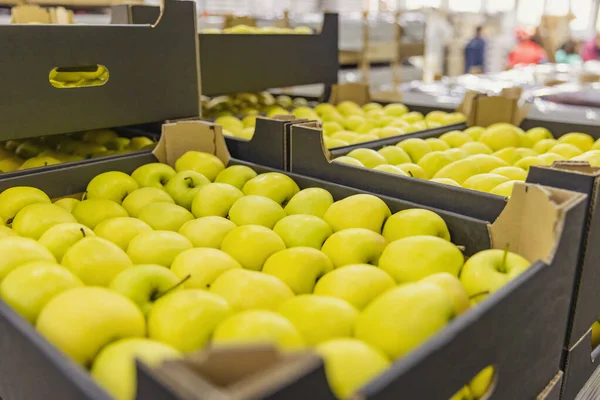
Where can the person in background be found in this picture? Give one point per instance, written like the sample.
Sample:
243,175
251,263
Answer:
528,50
475,53
568,53
591,49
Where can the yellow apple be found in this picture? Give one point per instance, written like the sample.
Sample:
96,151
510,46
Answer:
452,286
215,199
81,321
354,246
153,175
207,231
274,185
437,144
256,210
526,162
432,162
346,136
207,164
251,245
184,186
17,251
414,222
59,238
331,127
475,132
486,163
501,136
203,265
120,230
298,267
413,170
165,216
236,175
368,157
463,394
473,148
592,157
445,181
390,169
504,189
435,116
68,203
413,117
312,201
484,182
323,108
415,148
357,211
482,382
402,318
544,145
140,198
538,134
389,131
453,118
157,247
333,143
596,145
549,158
395,109
456,154
35,219
112,185
512,173
509,154
186,319
352,122
566,150
581,140
394,155
456,138
348,160
459,171
93,211
302,230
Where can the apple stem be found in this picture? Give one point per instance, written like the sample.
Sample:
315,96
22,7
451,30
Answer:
190,181
411,174
181,282
485,292
504,257
84,195
82,231
9,221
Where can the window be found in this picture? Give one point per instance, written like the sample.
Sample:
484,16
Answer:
465,6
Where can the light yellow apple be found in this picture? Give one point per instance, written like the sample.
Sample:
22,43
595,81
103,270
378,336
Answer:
350,364
368,157
68,203
346,136
415,148
140,198
435,116
354,246
484,182
322,108
207,231
456,138
395,109
207,164
81,321
203,265
509,154
456,154
17,251
303,230
35,219
93,211
357,211
111,185
331,127
353,121
390,169
274,185
581,140
475,132
258,327
452,286
486,163
251,245
394,155
256,210
165,216
215,199
414,222
312,201
459,171
538,134
298,267
348,160
453,118
153,175
476,148
437,144
236,175
526,162
550,158
592,157
59,238
504,189
512,173
413,170
389,131
544,145
120,230
445,181
566,150
157,247
500,136
402,318
413,258
432,162
333,143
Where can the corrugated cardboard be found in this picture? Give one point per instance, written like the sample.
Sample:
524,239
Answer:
356,92
32,14
485,110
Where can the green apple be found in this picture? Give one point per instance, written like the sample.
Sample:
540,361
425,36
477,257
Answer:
452,286
257,327
357,211
415,222
256,210
456,138
207,231
512,173
244,289
28,288
437,144
93,211
481,383
354,246
358,284
412,170
473,148
390,169
475,132
581,140
203,266
251,245
81,321
114,368
394,155
18,250
320,318
298,267
207,164
140,198
350,364
165,216
112,185
120,230
489,270
538,134
544,145
13,199
153,175
415,148
445,181
157,247
499,136
95,261
368,157
236,175
68,203
144,284
432,162
526,162
215,199
312,201
566,150
402,318
459,171
415,257
484,182
59,238
592,157
35,219
184,186
186,319
348,160
303,230
486,163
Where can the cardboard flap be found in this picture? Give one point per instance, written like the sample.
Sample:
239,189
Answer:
532,222
485,110
236,372
356,92
29,14
582,167
179,137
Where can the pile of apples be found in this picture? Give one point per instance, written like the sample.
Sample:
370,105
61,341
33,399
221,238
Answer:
250,104
49,150
264,30
167,261
348,123
485,159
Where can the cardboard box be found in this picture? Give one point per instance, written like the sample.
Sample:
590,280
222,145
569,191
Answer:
485,110
153,74
523,343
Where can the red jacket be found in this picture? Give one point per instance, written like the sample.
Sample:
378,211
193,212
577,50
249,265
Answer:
527,52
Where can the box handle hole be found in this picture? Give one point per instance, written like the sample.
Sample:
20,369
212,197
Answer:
76,77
